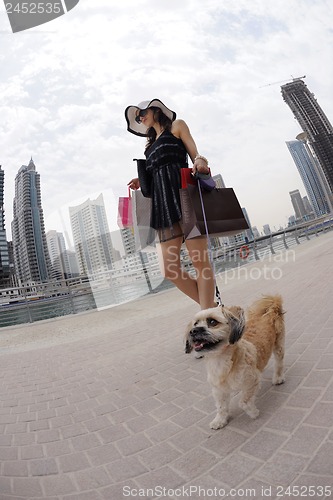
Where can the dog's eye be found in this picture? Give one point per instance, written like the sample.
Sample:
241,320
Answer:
212,322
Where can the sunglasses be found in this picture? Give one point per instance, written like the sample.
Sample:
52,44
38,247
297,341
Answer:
140,115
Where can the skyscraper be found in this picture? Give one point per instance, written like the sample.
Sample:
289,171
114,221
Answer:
309,172
31,257
314,122
91,235
4,254
58,254
297,201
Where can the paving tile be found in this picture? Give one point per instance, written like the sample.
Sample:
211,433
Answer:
282,469
58,485
80,443
133,444
58,448
73,462
322,463
92,479
27,487
103,454
125,468
304,397
8,453
191,464
235,469
163,477
286,419
6,440
305,440
120,491
81,420
318,378
264,444
321,415
141,423
48,436
187,439
44,467
89,495
188,417
159,455
16,468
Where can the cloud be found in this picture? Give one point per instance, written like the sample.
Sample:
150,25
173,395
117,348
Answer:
64,92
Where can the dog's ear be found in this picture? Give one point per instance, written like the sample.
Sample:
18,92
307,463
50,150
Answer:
237,324
188,347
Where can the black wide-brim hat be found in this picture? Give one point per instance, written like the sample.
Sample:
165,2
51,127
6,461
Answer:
131,113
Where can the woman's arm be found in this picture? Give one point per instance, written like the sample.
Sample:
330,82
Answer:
181,130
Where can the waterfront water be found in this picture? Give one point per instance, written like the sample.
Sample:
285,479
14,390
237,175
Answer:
36,310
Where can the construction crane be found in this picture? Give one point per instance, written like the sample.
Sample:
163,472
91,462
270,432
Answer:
284,81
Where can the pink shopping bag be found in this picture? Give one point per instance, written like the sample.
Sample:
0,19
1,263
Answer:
125,216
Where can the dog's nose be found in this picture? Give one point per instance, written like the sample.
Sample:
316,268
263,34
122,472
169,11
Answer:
196,330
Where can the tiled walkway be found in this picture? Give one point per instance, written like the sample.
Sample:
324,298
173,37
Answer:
106,405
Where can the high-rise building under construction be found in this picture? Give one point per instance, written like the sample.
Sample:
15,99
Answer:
314,123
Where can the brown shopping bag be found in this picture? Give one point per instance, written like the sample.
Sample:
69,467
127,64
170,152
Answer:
223,212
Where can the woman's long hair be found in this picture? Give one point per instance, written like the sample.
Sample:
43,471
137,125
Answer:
163,120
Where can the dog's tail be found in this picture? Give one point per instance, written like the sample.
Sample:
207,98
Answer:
270,305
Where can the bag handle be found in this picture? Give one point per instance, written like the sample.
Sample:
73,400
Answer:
210,252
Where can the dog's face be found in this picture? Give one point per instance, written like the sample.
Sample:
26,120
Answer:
214,328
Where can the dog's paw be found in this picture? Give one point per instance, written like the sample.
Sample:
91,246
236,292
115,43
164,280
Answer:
250,410
218,423
253,413
278,380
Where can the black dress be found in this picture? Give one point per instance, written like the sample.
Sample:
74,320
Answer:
165,157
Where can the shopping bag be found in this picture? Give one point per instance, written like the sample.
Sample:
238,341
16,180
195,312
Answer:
145,178
144,234
206,180
187,178
125,216
223,212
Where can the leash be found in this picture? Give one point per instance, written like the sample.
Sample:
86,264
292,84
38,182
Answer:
210,251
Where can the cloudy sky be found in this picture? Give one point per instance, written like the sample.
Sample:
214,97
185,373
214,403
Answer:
219,64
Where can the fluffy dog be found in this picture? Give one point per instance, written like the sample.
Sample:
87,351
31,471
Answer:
237,350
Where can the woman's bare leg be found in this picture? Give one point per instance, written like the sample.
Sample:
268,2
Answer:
198,252
171,268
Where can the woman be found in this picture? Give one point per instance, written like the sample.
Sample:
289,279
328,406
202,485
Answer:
169,141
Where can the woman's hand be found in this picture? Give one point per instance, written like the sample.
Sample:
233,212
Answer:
200,166
134,184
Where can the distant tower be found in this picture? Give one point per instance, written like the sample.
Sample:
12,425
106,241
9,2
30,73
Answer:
91,235
58,254
297,202
4,253
310,174
128,240
219,181
31,257
267,229
314,122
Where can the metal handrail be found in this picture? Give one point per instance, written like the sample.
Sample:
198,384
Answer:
74,295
